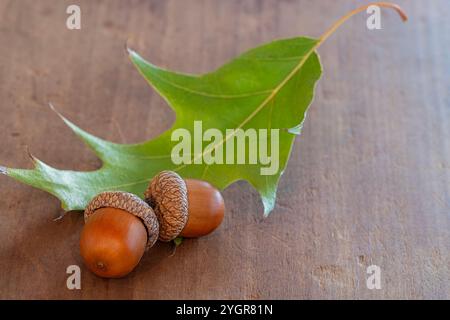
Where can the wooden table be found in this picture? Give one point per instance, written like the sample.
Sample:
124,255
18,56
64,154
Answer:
368,182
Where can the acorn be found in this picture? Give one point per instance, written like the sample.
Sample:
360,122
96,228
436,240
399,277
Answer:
188,208
119,228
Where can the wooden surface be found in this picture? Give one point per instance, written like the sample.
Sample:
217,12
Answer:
368,181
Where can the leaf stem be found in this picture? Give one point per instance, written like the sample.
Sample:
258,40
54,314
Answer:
342,20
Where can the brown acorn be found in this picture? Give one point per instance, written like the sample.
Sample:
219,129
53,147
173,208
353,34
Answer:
119,227
189,208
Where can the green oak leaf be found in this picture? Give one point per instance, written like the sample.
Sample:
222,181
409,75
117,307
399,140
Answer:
269,87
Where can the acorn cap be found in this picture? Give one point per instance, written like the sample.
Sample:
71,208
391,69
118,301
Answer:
167,195
130,203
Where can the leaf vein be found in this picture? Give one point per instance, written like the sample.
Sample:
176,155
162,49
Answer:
212,95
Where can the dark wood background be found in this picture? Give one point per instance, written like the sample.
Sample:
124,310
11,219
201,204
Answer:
368,181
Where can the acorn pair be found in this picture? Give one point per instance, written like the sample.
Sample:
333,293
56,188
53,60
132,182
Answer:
120,227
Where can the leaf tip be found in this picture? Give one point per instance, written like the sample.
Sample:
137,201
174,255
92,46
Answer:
266,215
3,170
126,47
52,107
66,121
30,155
130,51
297,130
269,205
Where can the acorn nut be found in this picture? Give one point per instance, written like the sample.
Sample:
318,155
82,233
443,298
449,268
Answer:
189,208
119,227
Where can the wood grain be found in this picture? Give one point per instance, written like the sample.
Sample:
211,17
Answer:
368,181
